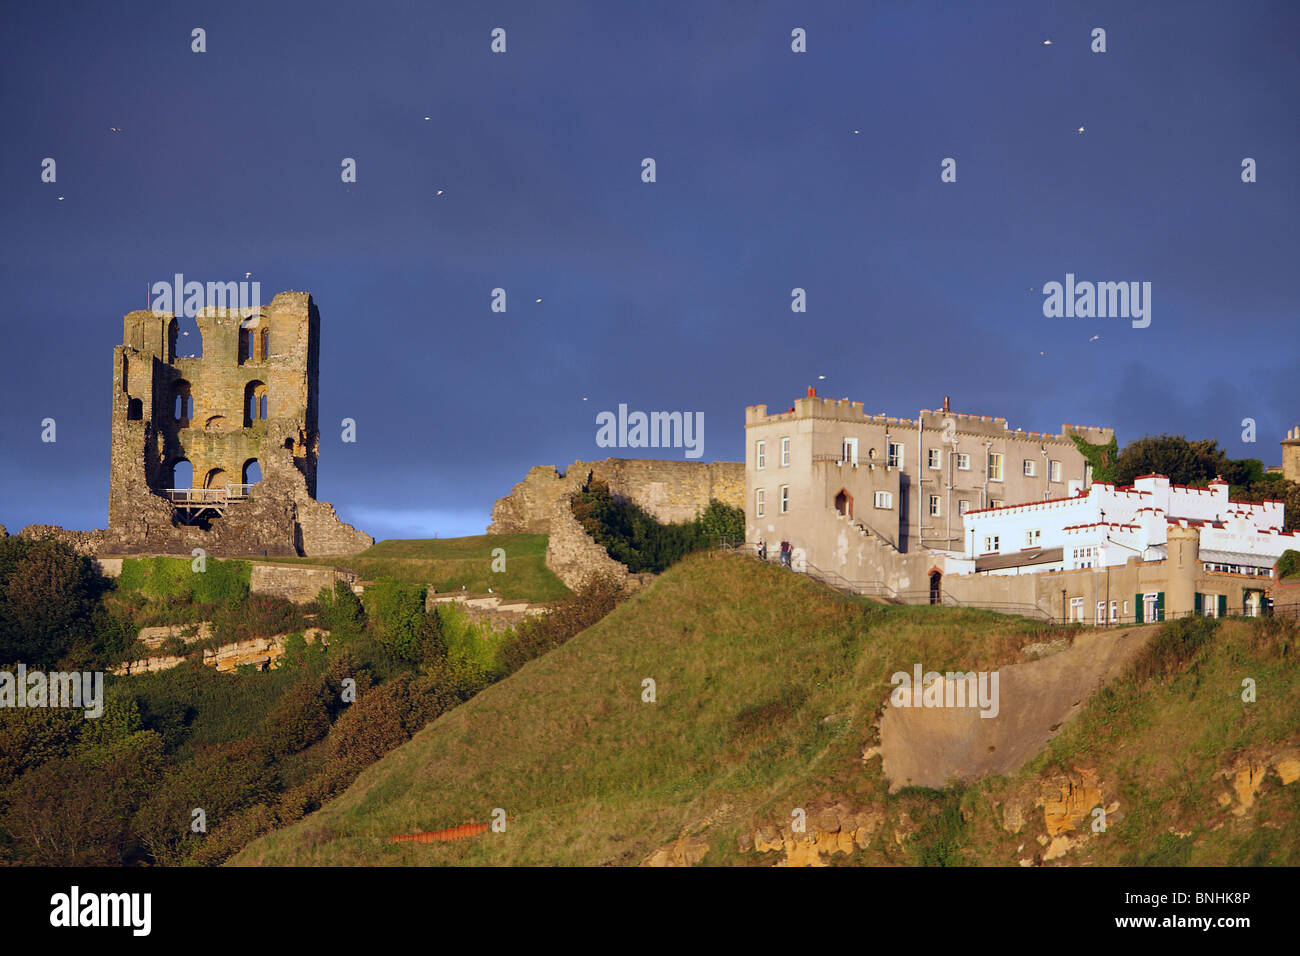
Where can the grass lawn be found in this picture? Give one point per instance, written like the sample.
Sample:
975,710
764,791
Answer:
449,563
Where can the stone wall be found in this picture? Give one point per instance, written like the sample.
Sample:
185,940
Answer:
297,582
672,491
85,543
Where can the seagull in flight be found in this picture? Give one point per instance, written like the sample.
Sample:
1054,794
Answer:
439,192
1079,130
115,129
1047,42
1094,338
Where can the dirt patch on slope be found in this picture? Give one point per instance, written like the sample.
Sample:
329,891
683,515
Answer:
932,746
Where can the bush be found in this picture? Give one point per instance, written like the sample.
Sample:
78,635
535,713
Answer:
224,582
537,635
634,537
1288,565
47,602
396,615
1173,648
340,612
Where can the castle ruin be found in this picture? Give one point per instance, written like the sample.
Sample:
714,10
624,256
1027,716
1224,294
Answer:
241,419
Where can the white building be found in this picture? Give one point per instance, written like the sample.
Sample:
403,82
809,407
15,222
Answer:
1106,526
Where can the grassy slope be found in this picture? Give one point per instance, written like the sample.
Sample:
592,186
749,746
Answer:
449,563
769,686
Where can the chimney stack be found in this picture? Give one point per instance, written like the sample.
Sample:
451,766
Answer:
945,404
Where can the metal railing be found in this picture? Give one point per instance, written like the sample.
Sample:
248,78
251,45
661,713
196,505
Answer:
208,496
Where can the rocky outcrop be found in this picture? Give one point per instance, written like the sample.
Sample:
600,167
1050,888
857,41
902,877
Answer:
828,828
261,652
1248,773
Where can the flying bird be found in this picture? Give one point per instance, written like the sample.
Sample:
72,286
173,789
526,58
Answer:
60,199
428,117
248,275
1079,130
1094,338
856,131
115,129
539,300
439,192
1047,42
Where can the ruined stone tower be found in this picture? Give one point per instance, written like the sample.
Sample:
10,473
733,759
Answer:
248,404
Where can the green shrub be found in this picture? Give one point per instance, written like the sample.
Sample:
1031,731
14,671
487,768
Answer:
224,582
396,615
1288,565
1173,648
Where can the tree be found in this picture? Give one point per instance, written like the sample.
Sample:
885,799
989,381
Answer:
1288,565
49,595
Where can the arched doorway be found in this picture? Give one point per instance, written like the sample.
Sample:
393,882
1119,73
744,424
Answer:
936,593
844,503
182,474
252,471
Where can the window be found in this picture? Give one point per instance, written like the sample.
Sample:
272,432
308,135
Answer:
1029,467
884,499
760,496
1083,557
995,466
1054,471
785,499
895,454
963,462
182,404
1126,608
760,455
1151,607
990,543
1210,605
1033,538
995,503
1114,611
254,403
1101,612
849,450
1087,473
1076,610
963,506
934,506
785,452
935,459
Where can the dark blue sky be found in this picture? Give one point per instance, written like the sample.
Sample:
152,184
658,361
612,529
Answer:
673,295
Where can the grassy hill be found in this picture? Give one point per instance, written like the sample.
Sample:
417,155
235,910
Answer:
449,563
768,690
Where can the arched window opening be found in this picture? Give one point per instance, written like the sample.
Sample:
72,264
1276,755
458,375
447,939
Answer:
245,345
844,503
182,474
255,403
216,478
134,410
182,404
264,342
252,471
173,334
